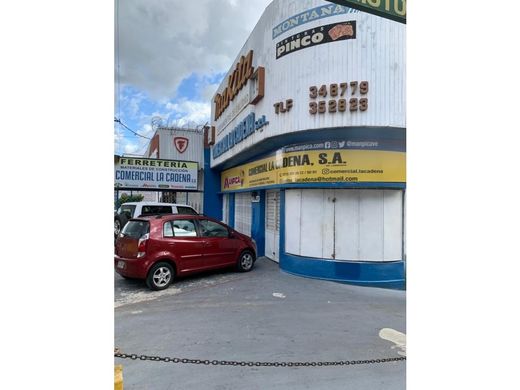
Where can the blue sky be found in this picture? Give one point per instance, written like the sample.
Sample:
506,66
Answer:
136,107
171,55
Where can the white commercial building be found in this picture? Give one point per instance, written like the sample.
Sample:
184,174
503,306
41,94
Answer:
307,146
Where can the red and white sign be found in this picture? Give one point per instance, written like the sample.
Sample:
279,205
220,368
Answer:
181,143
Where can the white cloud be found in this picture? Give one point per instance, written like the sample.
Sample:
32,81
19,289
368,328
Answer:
134,102
189,112
131,148
147,130
208,91
161,42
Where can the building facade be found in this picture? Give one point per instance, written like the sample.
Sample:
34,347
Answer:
307,146
182,144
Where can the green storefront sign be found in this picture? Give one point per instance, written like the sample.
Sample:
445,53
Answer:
389,9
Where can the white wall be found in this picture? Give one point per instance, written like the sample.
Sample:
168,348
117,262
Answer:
195,201
194,151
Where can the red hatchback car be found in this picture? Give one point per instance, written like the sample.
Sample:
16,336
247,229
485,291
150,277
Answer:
158,248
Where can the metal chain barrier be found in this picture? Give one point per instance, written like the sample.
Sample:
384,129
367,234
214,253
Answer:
254,364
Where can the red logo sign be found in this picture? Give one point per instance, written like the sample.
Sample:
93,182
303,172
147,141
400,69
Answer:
234,181
181,143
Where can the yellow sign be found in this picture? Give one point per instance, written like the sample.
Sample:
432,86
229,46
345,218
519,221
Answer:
318,166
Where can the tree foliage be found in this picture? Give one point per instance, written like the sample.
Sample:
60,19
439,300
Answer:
125,198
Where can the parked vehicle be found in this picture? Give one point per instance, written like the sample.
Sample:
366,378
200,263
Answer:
159,248
137,209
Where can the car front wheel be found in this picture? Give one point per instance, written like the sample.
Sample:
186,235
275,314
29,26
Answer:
246,260
160,276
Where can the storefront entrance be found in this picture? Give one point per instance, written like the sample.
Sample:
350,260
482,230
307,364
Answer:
272,225
243,213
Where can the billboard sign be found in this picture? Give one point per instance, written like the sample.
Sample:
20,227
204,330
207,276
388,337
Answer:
154,174
316,36
332,161
310,15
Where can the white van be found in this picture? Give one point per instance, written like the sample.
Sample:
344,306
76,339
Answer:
136,209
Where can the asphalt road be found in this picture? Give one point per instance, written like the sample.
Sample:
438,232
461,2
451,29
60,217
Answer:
263,315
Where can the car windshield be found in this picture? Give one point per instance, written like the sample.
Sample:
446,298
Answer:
136,229
154,210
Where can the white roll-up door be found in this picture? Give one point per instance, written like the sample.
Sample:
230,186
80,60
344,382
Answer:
272,224
225,208
243,212
344,224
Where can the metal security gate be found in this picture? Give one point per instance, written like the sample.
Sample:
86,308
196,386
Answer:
272,225
225,208
345,224
243,212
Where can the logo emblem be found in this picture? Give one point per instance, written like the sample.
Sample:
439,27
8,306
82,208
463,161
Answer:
181,143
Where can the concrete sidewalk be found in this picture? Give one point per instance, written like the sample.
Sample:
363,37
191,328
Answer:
264,315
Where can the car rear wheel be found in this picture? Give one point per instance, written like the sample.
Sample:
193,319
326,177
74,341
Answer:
246,260
117,227
160,276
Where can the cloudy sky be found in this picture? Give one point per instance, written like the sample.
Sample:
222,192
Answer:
170,57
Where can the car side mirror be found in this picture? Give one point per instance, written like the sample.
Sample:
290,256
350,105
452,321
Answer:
232,234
